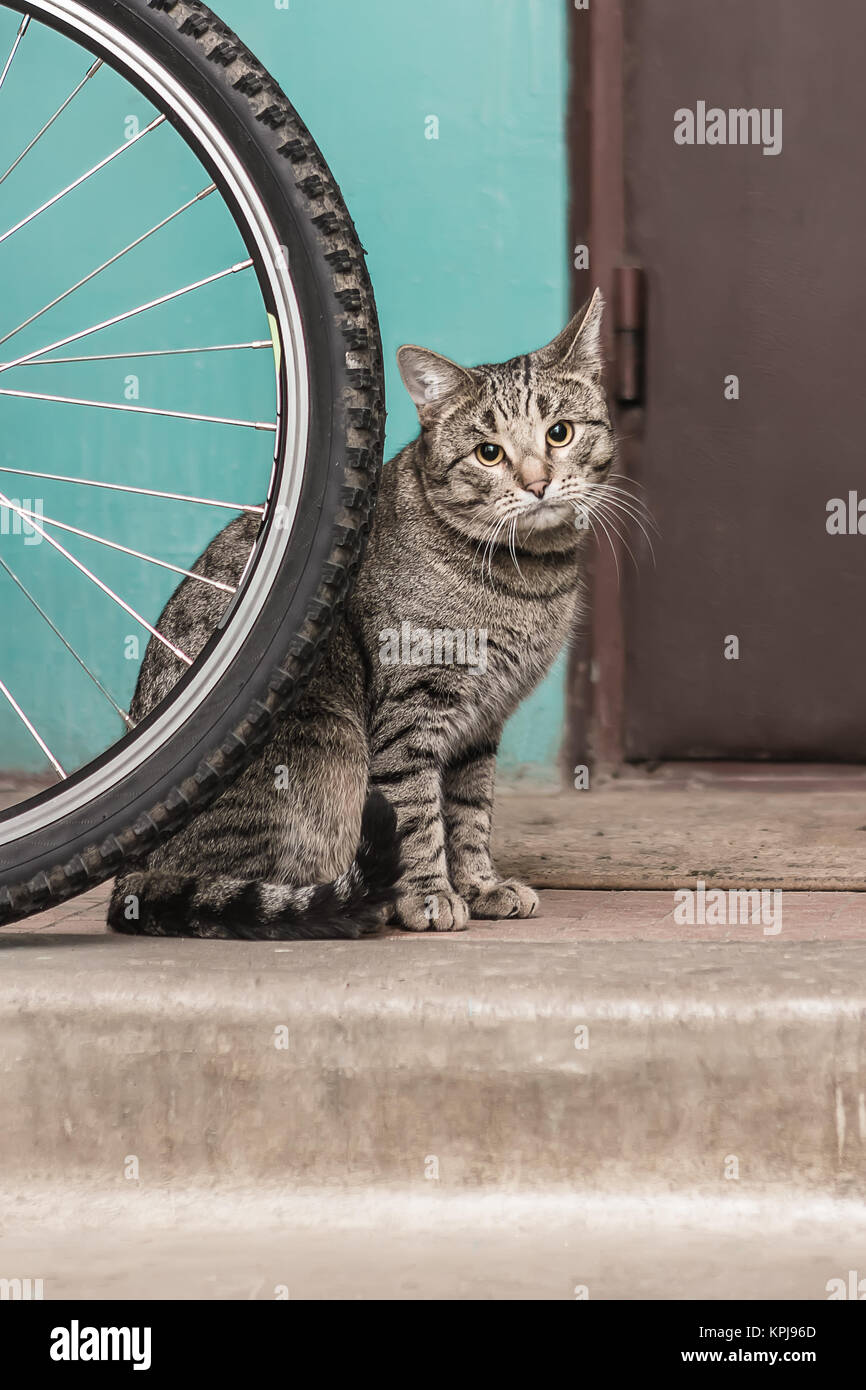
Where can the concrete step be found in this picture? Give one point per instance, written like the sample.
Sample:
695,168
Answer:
800,828
271,1243
432,1117
509,1065
583,915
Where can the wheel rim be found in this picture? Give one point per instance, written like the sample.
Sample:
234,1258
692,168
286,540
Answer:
124,55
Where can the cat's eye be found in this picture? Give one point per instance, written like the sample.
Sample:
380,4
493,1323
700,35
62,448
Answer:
560,433
489,453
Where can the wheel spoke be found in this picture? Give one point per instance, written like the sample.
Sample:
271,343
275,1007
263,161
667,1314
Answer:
127,314
82,178
152,352
32,729
140,409
94,67
22,30
140,491
225,155
205,193
130,724
100,584
115,545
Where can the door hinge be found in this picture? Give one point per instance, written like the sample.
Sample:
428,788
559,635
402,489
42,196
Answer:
629,297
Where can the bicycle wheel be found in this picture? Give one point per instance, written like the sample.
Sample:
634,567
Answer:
214,216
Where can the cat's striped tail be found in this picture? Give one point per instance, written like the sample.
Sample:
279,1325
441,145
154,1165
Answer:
159,902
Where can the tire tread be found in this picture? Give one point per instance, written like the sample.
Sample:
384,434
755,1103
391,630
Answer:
342,260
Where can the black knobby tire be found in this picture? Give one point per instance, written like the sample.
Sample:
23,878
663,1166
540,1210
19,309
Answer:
344,456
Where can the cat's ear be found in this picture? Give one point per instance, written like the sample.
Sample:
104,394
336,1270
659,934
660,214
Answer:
578,346
429,378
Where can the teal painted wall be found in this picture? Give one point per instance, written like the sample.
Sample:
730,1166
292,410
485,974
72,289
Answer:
466,241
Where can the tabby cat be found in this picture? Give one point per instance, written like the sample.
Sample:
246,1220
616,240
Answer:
373,797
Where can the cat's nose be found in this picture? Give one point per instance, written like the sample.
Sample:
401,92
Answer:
537,489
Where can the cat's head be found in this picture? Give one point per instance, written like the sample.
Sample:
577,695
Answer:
527,441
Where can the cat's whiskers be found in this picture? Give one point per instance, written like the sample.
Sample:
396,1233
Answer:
615,484
491,539
596,516
485,542
491,549
612,487
512,536
614,507
624,477
585,515
484,534
602,511
487,556
636,504
588,505
610,503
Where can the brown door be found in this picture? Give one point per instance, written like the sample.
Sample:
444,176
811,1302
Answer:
748,637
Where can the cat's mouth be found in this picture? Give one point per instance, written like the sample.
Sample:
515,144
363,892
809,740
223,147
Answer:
543,515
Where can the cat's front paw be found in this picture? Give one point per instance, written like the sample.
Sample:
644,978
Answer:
506,899
432,912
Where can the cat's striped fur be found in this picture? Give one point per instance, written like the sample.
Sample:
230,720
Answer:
456,545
